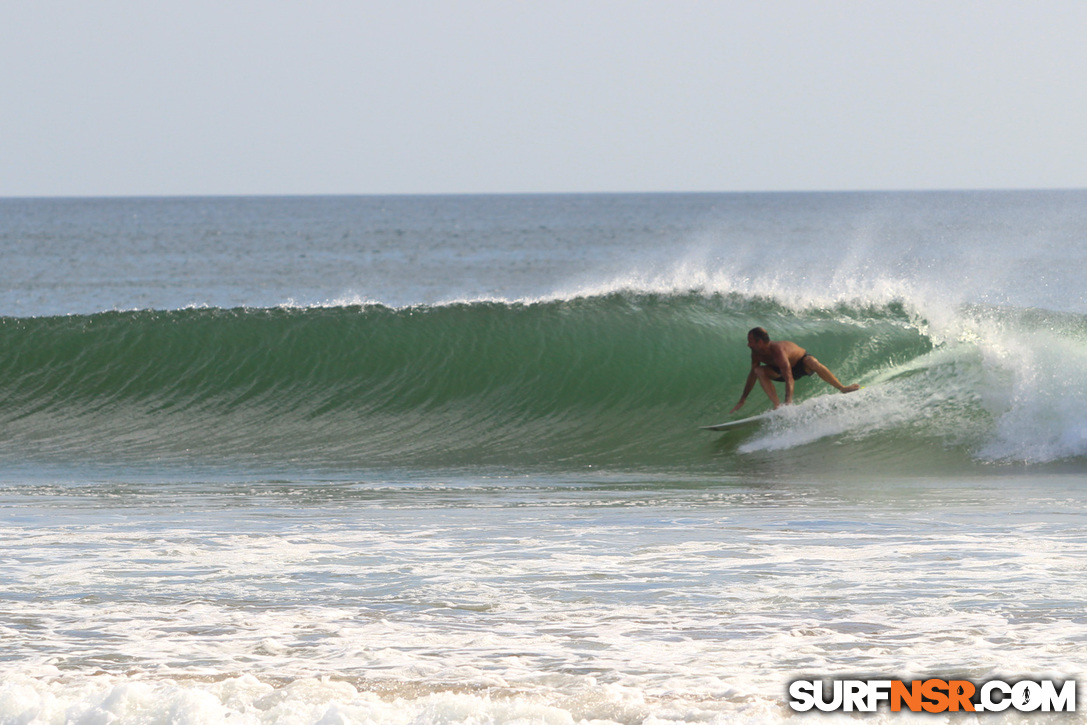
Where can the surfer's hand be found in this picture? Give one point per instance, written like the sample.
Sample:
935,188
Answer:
738,406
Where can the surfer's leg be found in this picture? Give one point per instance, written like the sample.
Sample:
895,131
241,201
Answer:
823,372
763,374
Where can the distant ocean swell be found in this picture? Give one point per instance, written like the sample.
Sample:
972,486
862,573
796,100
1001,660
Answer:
622,379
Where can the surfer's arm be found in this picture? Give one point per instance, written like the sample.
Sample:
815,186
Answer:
748,387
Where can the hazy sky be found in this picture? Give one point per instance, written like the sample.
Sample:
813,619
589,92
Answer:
148,97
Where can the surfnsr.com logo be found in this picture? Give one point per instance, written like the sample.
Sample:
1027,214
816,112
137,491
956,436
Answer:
932,695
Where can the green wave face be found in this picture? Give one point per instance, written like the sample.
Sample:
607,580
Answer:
622,380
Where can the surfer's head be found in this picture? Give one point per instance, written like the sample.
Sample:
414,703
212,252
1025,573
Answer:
758,337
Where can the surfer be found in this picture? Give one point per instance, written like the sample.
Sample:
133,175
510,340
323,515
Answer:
782,361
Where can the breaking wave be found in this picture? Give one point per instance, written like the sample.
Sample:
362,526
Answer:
617,379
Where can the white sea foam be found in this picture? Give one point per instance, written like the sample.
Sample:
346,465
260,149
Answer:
614,605
247,699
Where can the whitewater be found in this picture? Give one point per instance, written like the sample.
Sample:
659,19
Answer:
438,459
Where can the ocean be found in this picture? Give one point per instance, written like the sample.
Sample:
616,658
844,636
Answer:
439,459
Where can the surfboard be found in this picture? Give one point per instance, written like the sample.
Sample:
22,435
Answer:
741,423
757,419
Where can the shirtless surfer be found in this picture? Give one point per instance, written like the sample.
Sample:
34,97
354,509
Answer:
782,361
